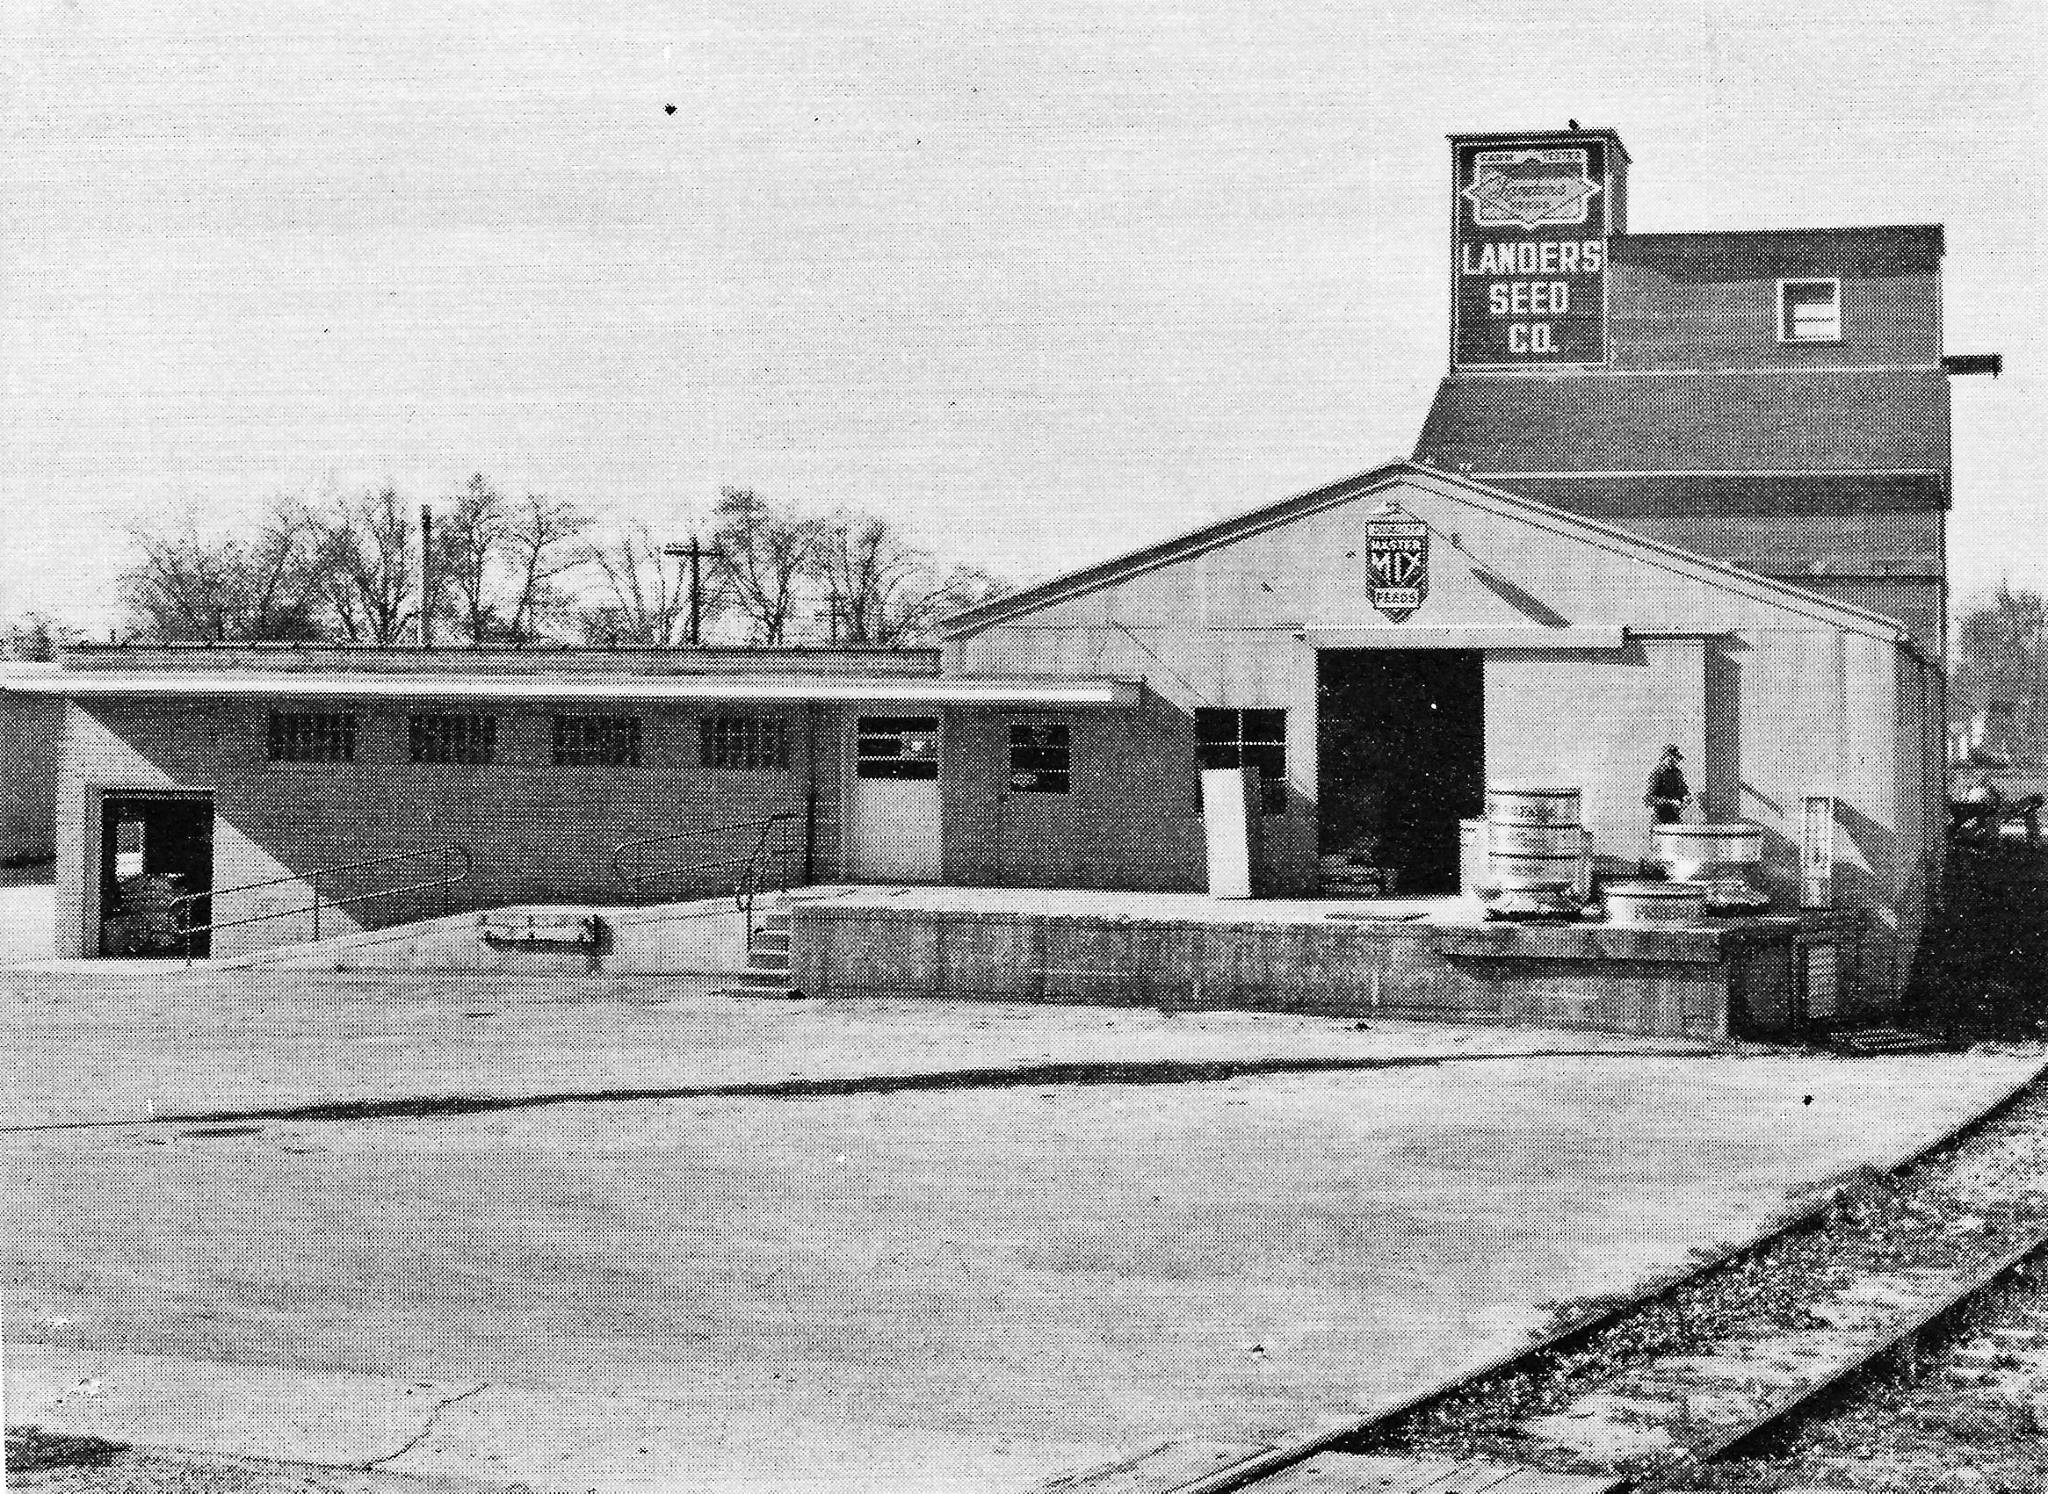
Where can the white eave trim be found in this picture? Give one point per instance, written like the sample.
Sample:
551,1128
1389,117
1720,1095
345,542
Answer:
1498,640
512,689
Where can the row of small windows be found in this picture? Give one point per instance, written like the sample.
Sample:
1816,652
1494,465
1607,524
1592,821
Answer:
1041,752
752,743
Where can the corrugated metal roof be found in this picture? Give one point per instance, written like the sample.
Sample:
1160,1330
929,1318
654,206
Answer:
851,689
1782,421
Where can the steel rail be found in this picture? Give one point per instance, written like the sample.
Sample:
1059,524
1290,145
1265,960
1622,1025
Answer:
185,902
1248,1472
753,865
1902,1338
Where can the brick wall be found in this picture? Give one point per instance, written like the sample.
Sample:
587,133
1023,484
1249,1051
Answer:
1673,314
1128,821
538,832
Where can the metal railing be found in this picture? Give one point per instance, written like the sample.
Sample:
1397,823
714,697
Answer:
447,855
761,861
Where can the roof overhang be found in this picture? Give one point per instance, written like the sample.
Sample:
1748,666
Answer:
514,689
1491,640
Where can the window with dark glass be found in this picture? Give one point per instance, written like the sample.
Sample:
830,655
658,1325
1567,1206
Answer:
438,738
597,741
898,747
1258,739
755,744
312,736
1041,757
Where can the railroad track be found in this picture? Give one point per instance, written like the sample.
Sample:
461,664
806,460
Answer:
1678,1387
1969,1408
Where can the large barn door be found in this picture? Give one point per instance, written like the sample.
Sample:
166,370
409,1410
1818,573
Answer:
1401,759
896,801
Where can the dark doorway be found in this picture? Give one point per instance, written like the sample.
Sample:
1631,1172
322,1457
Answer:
1401,759
155,852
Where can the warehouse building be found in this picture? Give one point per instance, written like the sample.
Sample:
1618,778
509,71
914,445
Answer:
1682,489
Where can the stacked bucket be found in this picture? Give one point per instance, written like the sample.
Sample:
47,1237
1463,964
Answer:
1530,856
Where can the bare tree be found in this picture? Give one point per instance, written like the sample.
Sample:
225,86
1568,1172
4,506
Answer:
637,607
184,588
883,590
2002,662
766,554
367,570
540,543
470,536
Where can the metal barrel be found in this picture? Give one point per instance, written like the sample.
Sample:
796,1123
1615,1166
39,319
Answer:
1521,869
1532,803
1663,903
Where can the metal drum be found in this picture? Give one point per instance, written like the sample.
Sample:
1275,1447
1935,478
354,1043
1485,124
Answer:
1658,904
1717,856
1514,869
1532,838
1532,803
1689,850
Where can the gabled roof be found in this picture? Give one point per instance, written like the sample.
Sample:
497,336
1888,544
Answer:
1352,489
1789,420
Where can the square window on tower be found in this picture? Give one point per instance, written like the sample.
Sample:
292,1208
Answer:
1809,311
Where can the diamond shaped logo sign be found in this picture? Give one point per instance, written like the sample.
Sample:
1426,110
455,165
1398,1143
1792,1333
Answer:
1397,554
1530,189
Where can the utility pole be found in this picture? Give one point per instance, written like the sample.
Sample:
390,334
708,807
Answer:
426,575
694,552
834,602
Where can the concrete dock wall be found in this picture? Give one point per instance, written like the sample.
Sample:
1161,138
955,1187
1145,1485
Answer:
1651,983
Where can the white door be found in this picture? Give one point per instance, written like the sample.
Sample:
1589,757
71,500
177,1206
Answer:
896,800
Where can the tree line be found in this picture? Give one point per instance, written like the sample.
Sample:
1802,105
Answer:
533,571
2001,663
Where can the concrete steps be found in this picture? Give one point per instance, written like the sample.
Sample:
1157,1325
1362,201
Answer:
767,975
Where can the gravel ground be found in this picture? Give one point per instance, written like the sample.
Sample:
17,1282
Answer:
1959,1211
1969,1414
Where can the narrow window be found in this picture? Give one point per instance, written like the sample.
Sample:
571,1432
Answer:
1230,739
1041,757
312,736
753,744
898,747
1809,311
453,739
597,741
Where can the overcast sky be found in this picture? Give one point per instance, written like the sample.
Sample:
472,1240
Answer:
1043,281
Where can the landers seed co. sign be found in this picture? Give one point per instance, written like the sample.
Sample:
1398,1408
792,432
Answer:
1530,251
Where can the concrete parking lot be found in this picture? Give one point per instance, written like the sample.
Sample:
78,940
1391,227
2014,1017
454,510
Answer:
1004,1242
